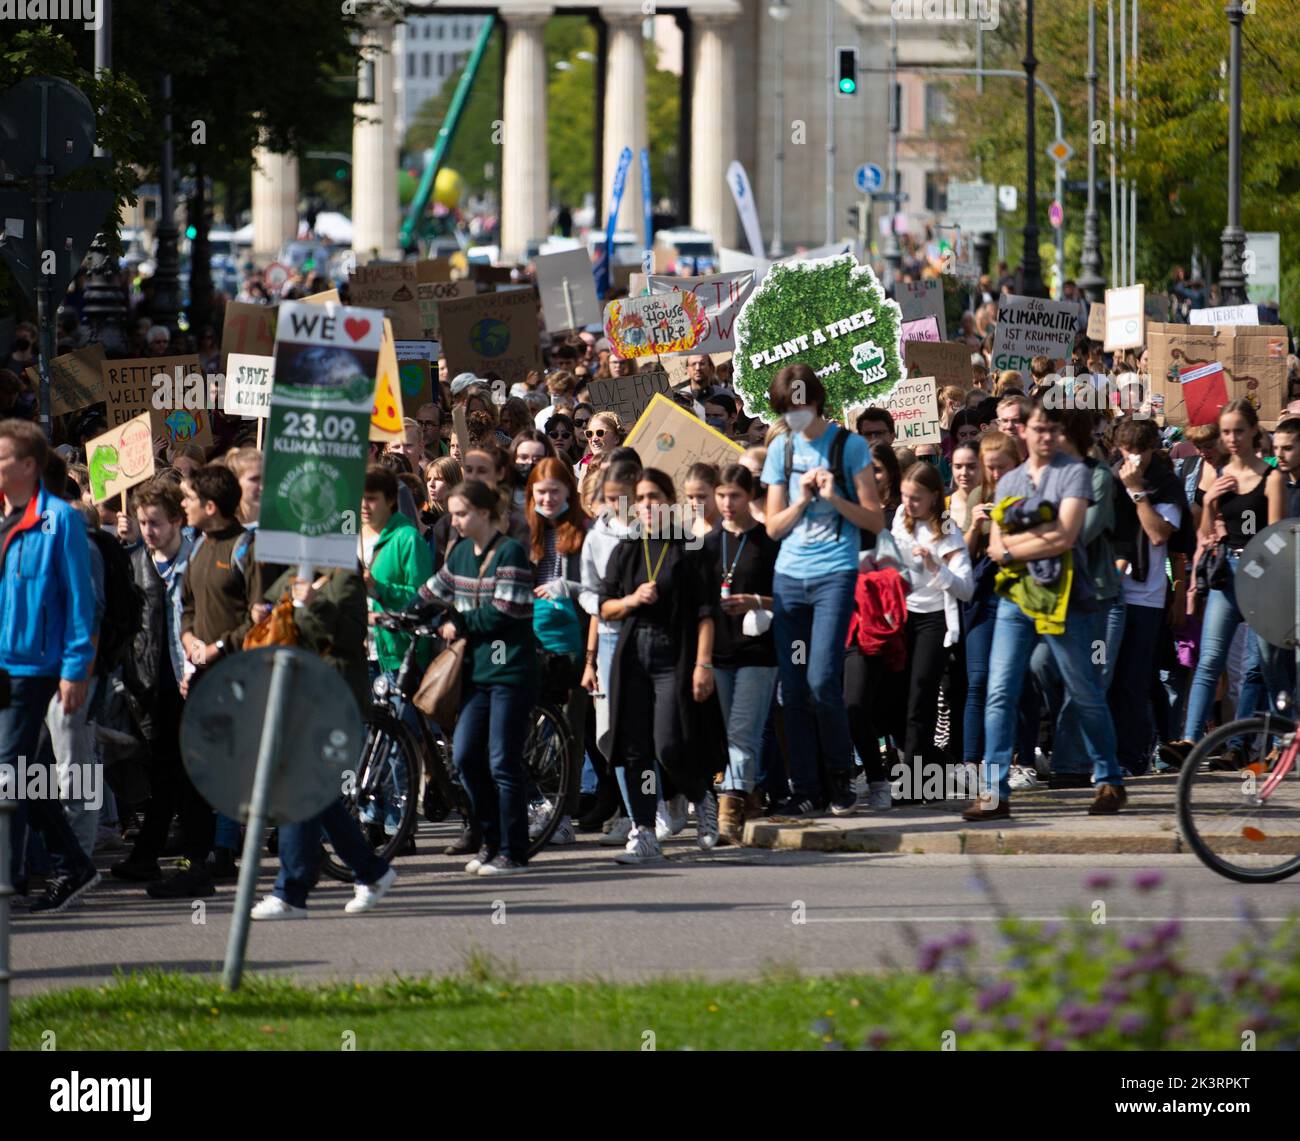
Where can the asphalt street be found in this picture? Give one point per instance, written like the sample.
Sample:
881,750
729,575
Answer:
577,914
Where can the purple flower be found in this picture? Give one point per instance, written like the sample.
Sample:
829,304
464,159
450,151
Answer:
1132,1023
1167,931
1134,943
1112,993
1071,1011
1053,1044
961,940
1011,1023
1098,880
1148,881
994,995
963,1024
932,955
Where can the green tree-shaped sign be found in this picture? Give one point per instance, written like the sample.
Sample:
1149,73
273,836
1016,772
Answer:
831,315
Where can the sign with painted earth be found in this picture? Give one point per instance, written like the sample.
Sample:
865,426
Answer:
830,314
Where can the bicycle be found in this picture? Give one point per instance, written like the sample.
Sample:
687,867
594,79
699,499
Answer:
404,749
1239,799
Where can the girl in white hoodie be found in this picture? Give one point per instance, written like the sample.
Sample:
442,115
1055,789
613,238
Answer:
935,555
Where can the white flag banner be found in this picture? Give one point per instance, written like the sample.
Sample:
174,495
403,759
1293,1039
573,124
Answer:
743,193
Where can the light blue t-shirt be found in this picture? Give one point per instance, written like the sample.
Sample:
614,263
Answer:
812,549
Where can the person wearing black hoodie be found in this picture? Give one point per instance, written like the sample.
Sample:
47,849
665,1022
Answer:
1150,511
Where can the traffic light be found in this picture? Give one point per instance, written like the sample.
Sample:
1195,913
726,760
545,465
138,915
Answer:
855,216
191,232
847,71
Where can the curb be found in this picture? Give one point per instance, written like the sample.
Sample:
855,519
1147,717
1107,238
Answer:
968,842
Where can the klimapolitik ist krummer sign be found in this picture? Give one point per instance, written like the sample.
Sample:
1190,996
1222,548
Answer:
830,314
326,361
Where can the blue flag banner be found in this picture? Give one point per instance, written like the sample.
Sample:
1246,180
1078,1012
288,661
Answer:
603,268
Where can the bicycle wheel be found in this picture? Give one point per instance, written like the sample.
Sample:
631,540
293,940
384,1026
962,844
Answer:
1244,822
385,794
547,753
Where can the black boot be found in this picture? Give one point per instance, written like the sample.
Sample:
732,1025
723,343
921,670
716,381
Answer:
468,841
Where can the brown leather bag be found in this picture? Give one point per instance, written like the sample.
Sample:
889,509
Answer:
277,629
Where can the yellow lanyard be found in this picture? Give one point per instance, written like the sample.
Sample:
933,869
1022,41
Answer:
651,575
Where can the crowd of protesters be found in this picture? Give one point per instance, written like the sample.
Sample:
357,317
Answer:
835,623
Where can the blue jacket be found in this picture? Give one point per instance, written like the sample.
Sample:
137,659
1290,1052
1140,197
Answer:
47,599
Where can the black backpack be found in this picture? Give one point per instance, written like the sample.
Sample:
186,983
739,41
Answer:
124,603
838,444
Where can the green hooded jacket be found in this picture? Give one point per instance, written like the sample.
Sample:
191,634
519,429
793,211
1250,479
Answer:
401,565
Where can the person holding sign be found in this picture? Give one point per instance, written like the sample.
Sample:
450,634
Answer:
821,496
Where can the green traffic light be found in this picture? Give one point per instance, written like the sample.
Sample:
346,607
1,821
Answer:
848,86
191,233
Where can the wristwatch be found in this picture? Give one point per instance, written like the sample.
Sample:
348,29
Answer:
220,646
1007,557
1138,496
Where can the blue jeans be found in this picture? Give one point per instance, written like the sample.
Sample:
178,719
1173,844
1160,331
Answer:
978,645
488,748
745,695
1130,687
1107,636
300,853
810,622
1218,627
1013,644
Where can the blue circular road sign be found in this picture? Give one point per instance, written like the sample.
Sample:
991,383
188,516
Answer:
869,178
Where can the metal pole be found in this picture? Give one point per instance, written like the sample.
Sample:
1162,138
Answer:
1090,279
1060,230
1232,282
44,300
1133,187
166,303
1032,267
1123,146
267,754
893,252
830,124
1116,274
6,892
777,248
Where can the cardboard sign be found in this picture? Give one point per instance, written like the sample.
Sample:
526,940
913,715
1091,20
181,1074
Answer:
920,299
185,425
567,288
1253,359
386,415
677,366
1262,264
914,405
1205,391
248,386
655,326
326,361
247,329
492,332
433,269
628,396
1126,318
1097,321
1030,327
415,363
119,459
429,294
1224,315
722,296
669,438
926,329
130,388
391,288
947,362
76,379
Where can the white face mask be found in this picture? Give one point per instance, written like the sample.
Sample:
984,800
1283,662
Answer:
552,512
799,419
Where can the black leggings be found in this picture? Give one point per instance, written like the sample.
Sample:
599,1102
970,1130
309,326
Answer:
927,658
874,696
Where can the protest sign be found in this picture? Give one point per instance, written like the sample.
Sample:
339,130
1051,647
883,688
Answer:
433,269
119,459
1225,315
947,362
914,405
386,415
131,386
627,396
183,425
669,438
1253,359
567,288
920,299
248,329
415,372
430,294
1097,321
1125,318
326,361
325,297
831,315
1205,391
1029,327
1262,265
76,379
654,326
926,329
722,295
677,367
391,288
248,386
491,332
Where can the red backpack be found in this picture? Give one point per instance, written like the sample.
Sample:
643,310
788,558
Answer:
879,621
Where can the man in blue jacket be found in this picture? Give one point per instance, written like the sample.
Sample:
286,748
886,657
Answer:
47,614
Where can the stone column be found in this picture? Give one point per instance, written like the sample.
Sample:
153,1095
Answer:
275,201
625,115
713,127
525,167
375,219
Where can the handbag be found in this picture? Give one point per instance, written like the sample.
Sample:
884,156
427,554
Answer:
438,697
1214,571
277,629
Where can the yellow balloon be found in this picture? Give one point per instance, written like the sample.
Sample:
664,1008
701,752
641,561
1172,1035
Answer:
448,188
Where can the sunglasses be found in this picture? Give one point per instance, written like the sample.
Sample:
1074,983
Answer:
561,435
595,433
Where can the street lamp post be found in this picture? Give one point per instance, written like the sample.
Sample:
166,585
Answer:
1031,284
166,275
893,252
779,11
1090,279
1232,281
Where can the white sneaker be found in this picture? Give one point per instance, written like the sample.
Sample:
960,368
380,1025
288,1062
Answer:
564,832
706,816
642,848
1021,778
880,796
273,907
859,784
663,822
369,894
619,830
538,815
